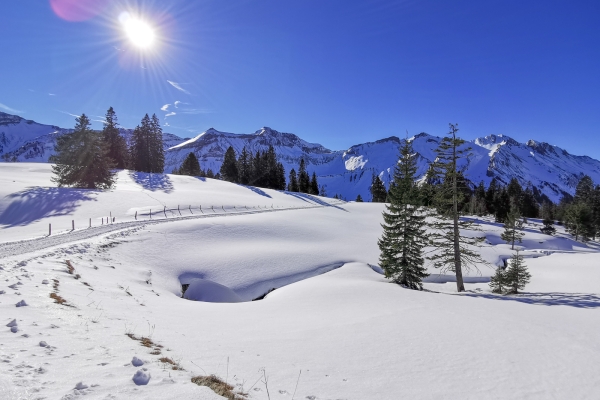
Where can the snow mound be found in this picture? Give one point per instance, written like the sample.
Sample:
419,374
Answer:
141,377
209,291
136,362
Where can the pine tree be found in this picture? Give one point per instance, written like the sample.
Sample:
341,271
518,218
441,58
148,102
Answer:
293,184
428,190
229,168
517,275
578,221
303,178
116,144
313,187
280,177
490,196
245,166
498,281
157,151
501,204
377,189
359,199
322,191
403,238
513,227
140,149
190,166
81,158
453,252
548,228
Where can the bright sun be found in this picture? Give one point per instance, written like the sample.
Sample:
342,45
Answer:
138,31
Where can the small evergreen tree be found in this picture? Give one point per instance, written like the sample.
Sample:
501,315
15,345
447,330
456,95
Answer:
403,238
116,144
190,166
517,275
322,191
293,184
229,168
303,178
579,221
498,281
359,199
377,189
513,228
548,228
314,185
81,158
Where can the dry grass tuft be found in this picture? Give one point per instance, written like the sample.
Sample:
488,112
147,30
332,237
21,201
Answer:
146,342
59,300
219,387
175,366
70,267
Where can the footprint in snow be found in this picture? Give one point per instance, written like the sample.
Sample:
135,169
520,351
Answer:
43,344
136,362
22,303
283,392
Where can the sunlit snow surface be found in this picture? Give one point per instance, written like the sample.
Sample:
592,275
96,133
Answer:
352,334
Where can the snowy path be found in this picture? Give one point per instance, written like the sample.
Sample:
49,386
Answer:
10,249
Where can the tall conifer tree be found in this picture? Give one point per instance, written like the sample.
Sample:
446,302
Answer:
513,227
229,168
403,238
116,144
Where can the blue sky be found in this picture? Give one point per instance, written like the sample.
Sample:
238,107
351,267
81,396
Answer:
331,71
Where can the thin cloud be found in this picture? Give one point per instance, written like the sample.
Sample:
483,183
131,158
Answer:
166,107
170,114
178,86
7,108
177,103
196,111
68,113
51,94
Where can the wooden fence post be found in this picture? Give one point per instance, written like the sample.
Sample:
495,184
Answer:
72,224
49,229
165,211
178,209
90,222
136,215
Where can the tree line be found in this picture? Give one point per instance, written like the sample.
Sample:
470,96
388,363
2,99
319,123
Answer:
85,158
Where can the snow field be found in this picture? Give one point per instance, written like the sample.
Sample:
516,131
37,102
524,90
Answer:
351,333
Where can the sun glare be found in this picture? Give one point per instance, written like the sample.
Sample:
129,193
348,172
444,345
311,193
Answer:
139,32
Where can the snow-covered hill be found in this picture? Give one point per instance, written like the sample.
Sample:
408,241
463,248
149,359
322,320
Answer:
73,330
345,172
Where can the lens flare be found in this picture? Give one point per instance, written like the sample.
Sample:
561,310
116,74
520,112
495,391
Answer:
77,10
139,32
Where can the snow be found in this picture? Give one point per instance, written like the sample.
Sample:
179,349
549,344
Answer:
333,325
205,290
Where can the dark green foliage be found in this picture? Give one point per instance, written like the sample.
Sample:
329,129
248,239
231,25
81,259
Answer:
229,168
529,205
303,178
146,151
359,199
579,221
453,250
81,158
490,196
514,191
378,191
548,228
513,227
516,276
116,144
314,185
403,238
322,191
293,185
498,281
428,190
245,167
501,205
190,166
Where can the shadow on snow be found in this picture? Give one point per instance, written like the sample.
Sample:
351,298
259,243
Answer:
35,203
578,300
153,182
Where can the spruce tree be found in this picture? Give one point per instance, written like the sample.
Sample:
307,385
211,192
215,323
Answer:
578,221
293,184
453,249
513,227
359,199
501,204
280,177
190,166
377,189
548,228
146,150
245,166
517,275
157,150
116,144
81,158
229,168
303,178
313,187
490,196
403,238
498,281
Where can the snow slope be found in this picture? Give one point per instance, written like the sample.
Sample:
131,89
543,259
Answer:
342,334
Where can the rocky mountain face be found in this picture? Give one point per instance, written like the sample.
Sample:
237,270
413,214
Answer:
345,172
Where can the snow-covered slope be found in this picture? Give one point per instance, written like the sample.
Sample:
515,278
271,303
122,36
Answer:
344,334
348,173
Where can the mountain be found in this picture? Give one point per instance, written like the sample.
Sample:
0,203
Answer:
345,172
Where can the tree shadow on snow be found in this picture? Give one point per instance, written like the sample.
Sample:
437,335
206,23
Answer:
36,203
577,300
310,198
152,182
255,190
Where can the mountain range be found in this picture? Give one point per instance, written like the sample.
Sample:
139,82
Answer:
348,172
